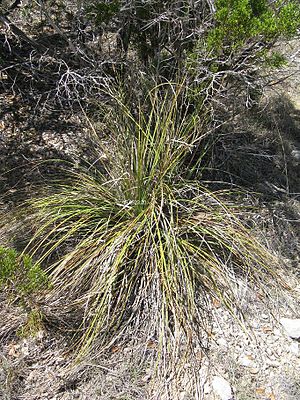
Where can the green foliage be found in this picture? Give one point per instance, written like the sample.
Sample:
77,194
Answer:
18,274
240,21
275,60
21,280
7,264
103,12
33,325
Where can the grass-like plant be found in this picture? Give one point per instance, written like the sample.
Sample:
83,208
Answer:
145,248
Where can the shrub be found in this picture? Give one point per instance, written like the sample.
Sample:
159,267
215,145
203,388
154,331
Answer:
239,21
19,276
226,65
146,247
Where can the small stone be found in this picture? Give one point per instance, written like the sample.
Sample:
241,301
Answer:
31,376
25,348
291,326
222,342
294,348
40,334
276,333
207,388
222,388
295,155
254,371
255,325
127,350
247,361
183,395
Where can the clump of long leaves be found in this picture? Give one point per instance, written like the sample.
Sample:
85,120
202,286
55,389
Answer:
147,247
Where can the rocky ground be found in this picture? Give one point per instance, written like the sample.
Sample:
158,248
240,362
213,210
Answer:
256,360
260,362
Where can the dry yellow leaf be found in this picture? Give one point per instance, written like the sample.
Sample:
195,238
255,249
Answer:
261,391
267,329
115,349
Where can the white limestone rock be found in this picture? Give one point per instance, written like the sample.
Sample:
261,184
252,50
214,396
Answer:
222,388
292,327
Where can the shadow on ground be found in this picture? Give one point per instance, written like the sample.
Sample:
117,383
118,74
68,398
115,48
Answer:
261,150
